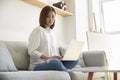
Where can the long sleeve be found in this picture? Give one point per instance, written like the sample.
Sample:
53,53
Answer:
34,42
40,43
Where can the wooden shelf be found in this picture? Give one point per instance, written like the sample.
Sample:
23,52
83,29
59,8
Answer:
41,4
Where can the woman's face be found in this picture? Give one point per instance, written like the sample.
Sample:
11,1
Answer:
50,19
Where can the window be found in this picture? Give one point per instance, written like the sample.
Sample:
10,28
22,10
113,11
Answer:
111,11
108,18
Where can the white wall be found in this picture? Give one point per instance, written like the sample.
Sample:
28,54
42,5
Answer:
70,24
77,25
17,20
81,11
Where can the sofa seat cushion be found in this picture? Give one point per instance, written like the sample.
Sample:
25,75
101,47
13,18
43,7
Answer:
35,75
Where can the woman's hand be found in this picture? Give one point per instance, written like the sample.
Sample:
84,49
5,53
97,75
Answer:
59,57
49,57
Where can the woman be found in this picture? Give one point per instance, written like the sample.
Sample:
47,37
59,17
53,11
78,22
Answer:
42,51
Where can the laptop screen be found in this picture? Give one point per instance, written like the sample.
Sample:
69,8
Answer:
73,50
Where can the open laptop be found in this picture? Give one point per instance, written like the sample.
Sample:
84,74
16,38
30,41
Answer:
73,51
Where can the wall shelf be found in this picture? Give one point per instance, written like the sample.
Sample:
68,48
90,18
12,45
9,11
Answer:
41,4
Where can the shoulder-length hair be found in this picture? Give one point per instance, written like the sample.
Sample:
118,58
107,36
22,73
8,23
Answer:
43,16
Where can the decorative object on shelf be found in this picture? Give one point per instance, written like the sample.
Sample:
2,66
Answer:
61,5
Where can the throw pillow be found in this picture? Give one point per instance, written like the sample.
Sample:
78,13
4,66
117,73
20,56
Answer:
6,62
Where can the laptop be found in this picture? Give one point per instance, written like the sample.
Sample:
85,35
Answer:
73,51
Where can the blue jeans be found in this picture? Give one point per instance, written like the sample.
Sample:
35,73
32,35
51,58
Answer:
56,64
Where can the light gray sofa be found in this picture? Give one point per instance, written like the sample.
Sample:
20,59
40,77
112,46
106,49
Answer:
14,62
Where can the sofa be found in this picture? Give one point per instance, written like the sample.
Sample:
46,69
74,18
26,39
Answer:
14,62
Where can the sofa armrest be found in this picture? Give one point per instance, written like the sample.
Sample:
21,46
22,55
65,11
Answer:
94,58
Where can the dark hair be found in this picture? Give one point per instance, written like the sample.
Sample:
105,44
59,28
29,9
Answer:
43,16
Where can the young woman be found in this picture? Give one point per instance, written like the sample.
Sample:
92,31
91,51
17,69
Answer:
41,48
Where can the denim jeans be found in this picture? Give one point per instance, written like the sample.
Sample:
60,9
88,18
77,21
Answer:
56,64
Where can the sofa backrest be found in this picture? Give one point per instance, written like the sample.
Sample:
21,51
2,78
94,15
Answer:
19,53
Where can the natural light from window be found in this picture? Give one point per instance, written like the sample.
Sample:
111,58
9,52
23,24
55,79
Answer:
111,11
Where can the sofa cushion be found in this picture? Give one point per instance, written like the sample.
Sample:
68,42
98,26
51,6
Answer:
35,75
6,62
19,53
